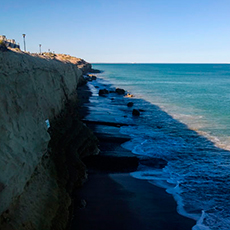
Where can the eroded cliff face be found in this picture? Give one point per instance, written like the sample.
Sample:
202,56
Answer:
39,166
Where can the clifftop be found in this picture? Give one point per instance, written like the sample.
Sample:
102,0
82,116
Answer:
84,66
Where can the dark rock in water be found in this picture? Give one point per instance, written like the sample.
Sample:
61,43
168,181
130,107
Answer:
136,112
120,91
95,71
96,86
112,91
103,92
141,110
130,104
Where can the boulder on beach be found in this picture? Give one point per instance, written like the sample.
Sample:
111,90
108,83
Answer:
130,104
136,112
103,92
93,77
90,77
120,91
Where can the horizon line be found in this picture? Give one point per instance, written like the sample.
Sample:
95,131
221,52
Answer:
160,63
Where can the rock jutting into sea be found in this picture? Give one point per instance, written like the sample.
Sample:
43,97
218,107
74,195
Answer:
42,138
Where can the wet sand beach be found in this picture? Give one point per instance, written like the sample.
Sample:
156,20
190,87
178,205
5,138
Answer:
111,198
118,201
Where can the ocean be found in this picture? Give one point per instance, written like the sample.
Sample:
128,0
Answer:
185,121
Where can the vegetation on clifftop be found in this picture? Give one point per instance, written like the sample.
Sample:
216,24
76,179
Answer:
3,46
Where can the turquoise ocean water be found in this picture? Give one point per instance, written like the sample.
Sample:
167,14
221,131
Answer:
190,131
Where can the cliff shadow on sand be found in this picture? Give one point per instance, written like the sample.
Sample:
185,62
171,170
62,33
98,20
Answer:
147,206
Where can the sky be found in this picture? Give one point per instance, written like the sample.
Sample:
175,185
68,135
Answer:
122,31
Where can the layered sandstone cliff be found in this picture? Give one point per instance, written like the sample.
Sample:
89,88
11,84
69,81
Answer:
39,166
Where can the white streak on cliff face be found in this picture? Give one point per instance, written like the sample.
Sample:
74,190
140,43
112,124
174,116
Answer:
32,90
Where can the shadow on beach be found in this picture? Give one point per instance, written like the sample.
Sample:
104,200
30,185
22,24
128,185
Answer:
113,198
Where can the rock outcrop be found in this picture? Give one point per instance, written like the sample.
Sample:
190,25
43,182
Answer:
102,92
136,112
39,166
130,104
120,91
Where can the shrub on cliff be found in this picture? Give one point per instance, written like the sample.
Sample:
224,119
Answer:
49,54
3,46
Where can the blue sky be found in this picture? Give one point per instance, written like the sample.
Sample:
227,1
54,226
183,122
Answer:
155,31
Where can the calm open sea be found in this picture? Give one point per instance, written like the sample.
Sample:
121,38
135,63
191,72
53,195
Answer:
186,123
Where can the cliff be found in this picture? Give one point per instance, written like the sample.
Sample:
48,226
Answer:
40,166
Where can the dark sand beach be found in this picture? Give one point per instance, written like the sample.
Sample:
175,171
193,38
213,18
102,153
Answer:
111,198
118,201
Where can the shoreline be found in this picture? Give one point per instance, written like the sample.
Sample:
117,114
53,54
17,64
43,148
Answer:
112,198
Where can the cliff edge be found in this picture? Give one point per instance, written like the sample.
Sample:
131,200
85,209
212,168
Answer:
40,165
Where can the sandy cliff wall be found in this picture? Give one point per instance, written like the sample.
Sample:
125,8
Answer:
33,177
